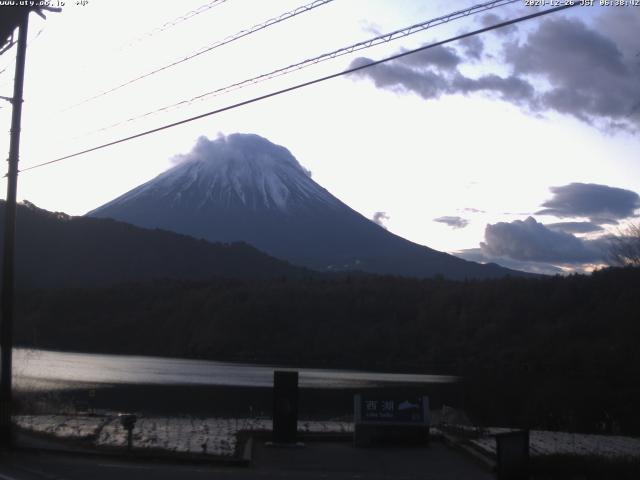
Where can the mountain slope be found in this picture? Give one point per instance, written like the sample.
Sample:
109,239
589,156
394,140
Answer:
243,187
56,250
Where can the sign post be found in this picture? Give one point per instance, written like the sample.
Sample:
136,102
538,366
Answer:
128,422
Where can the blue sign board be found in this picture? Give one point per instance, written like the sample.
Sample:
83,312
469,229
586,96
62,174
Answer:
404,410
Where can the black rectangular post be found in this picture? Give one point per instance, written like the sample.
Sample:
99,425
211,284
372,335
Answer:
285,406
512,452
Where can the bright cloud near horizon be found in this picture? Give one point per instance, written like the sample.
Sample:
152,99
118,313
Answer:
517,146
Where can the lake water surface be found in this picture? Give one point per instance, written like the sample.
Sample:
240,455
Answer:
48,369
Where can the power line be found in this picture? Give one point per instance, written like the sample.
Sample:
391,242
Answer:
304,84
9,66
155,31
243,33
372,42
7,47
172,23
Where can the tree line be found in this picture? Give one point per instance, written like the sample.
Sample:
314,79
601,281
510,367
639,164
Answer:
554,352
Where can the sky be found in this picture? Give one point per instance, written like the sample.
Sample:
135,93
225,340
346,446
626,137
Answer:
517,146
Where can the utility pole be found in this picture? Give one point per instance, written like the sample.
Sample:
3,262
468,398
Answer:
8,257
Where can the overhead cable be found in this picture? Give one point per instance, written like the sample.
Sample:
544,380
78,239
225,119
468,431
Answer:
231,38
302,85
380,39
177,20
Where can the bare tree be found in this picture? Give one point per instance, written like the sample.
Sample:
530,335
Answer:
625,247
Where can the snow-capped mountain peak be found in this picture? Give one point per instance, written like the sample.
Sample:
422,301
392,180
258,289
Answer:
242,169
242,187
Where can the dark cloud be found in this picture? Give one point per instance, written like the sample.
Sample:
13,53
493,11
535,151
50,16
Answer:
600,203
434,72
402,78
473,47
489,19
590,73
511,88
622,27
444,58
380,218
453,222
530,241
492,19
574,227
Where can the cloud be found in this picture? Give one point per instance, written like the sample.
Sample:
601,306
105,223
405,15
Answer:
600,203
224,149
453,222
445,58
473,47
473,210
510,88
574,227
492,19
476,255
380,217
563,65
553,248
530,241
592,72
434,72
371,27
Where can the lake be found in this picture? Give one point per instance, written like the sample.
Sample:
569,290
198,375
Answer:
43,369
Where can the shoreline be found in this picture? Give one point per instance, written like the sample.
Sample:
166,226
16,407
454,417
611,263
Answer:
216,400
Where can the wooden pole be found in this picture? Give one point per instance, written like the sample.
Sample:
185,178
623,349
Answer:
8,257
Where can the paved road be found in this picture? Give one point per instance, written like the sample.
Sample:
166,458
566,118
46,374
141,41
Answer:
318,460
340,460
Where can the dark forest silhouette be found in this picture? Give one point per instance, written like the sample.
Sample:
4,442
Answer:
54,249
555,352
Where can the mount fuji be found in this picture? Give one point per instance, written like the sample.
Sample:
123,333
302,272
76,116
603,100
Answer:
242,187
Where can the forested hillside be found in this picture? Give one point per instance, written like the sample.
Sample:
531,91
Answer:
57,250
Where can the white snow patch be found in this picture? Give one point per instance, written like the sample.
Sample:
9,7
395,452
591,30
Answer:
542,443
231,172
61,426
219,436
211,436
